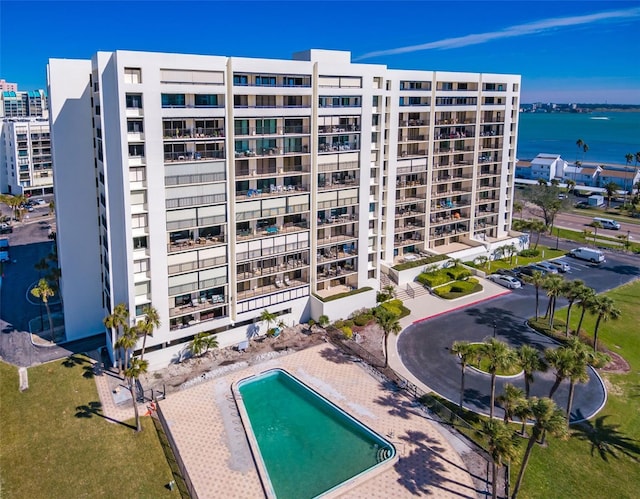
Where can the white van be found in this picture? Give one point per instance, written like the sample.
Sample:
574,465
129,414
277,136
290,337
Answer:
607,223
591,255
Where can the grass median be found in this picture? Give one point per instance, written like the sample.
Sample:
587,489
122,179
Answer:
56,441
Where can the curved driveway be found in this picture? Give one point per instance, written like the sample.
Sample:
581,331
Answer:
424,346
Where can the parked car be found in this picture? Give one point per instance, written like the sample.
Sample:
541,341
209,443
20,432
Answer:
511,273
6,229
589,254
529,270
505,280
582,204
561,266
40,201
551,269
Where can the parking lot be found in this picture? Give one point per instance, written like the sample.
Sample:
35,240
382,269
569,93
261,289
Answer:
424,346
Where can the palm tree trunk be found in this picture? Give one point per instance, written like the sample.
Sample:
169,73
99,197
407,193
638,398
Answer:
524,426
527,386
53,338
572,386
555,386
144,343
462,387
584,309
135,405
525,461
493,394
537,301
595,334
552,310
386,350
494,480
566,332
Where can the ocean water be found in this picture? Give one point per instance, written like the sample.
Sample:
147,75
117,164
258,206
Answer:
609,135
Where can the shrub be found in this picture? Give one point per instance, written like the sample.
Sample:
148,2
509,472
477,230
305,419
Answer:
419,263
311,322
459,273
362,319
530,252
347,332
339,324
348,323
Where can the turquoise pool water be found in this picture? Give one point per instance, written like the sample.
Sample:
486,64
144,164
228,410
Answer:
307,444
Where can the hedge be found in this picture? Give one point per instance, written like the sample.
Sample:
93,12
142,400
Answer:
458,289
419,263
343,295
443,276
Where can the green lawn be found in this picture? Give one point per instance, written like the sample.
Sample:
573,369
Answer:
601,240
576,468
56,444
508,263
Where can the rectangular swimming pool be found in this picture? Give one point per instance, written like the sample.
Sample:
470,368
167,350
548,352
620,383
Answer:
306,445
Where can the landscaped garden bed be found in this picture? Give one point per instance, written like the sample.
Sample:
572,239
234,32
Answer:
458,289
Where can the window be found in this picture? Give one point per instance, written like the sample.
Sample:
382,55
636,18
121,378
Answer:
136,150
293,101
140,242
240,101
266,81
240,80
265,101
202,100
97,110
132,75
242,127
141,265
173,100
134,101
138,197
138,174
134,126
142,289
138,221
266,127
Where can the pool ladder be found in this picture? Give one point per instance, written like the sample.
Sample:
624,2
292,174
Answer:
383,454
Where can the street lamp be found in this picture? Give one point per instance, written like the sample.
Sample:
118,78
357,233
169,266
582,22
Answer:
494,328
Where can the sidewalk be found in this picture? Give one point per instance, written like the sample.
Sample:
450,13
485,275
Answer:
428,306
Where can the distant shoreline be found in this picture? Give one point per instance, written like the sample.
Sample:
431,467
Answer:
585,109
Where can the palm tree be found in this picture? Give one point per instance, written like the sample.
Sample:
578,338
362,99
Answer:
518,206
553,284
537,279
629,158
41,266
579,144
509,399
611,188
530,361
150,322
202,343
501,442
464,351
116,321
52,207
538,227
523,412
578,372
501,357
585,299
136,368
561,360
389,323
510,251
571,185
268,317
571,290
605,308
548,418
323,321
389,291
44,292
127,342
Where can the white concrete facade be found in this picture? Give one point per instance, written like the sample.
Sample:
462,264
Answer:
219,187
25,156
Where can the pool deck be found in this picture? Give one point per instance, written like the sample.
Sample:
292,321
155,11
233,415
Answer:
205,425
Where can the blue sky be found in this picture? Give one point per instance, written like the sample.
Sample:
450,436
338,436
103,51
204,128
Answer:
566,51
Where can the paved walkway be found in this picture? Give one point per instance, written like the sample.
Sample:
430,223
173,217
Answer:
428,306
210,438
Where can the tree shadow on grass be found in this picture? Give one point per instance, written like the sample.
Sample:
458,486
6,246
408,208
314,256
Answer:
94,408
423,469
606,440
74,360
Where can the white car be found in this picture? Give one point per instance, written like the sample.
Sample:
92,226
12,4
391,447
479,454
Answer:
505,280
40,201
551,269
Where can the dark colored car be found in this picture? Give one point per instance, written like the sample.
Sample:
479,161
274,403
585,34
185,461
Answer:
582,204
529,270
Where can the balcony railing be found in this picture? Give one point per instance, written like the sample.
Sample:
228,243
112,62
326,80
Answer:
347,165
260,272
195,265
281,130
187,243
170,157
286,228
278,285
215,301
194,133
338,129
348,146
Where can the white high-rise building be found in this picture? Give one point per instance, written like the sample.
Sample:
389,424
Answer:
218,187
25,156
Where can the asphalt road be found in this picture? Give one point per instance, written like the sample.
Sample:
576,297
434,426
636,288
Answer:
28,244
581,222
424,346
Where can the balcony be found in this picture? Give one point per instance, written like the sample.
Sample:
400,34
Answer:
196,265
450,193
200,242
276,286
260,272
216,301
174,157
413,238
409,123
271,151
286,228
328,272
411,153
194,133
274,190
339,147
347,165
328,130
280,130
329,184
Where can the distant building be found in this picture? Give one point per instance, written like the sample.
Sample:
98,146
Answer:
8,87
582,175
625,177
29,104
543,166
25,156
